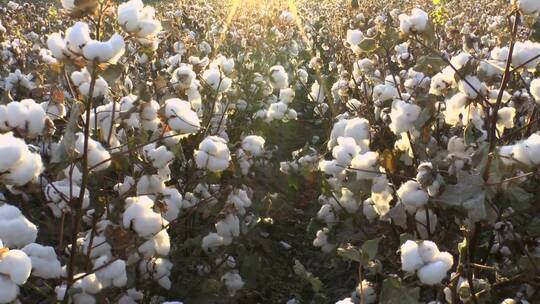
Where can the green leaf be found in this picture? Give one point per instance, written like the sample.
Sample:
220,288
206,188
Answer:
371,247
301,271
468,193
350,252
368,45
533,229
429,64
519,198
394,293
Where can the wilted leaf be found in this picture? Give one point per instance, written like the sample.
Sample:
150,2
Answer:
301,271
389,161
394,293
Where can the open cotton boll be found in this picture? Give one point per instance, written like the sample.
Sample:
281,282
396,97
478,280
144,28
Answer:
141,217
159,244
357,128
233,282
446,258
16,265
217,81
8,290
159,157
472,86
45,264
529,7
228,228
432,273
183,77
410,257
26,116
213,154
173,199
279,79
348,201
428,250
365,291
211,242
317,93
88,284
57,45
321,240
414,23
345,151
137,19
253,144
105,51
150,184
354,37
114,274
239,198
535,89
505,118
98,156
403,116
412,195
455,109
158,269
384,92
77,37
365,165
180,117
15,229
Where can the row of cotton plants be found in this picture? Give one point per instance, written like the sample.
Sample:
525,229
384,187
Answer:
269,152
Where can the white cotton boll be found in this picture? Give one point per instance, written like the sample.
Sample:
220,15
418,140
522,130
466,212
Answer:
279,79
384,92
150,184
158,269
412,196
233,282
159,244
98,157
326,213
45,264
216,80
286,95
330,167
24,171
535,89
173,199
16,265
277,110
8,290
141,217
505,118
101,87
77,37
366,165
213,154
366,291
100,247
446,258
428,250
472,86
410,257
181,117
114,274
354,37
183,76
80,77
348,201
159,157
228,228
124,187
15,229
57,45
211,242
403,116
369,209
529,7
414,23
105,51
240,200
321,240
532,146
148,28
317,93
137,19
432,273
422,224
89,283
253,144
345,151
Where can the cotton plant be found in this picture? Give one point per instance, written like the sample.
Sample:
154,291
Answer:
15,268
424,258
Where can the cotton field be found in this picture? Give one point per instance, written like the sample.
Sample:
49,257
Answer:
270,151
